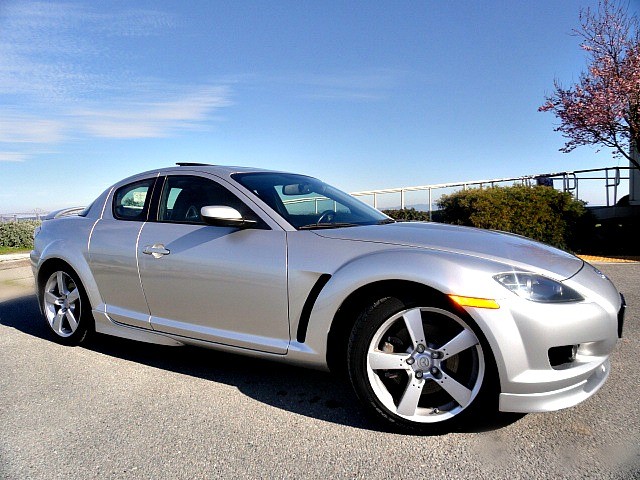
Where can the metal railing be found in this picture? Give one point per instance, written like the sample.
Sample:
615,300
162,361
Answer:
609,177
568,181
315,200
36,214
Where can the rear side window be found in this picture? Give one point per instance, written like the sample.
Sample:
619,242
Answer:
131,202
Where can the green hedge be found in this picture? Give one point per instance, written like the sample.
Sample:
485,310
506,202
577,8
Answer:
408,215
541,213
17,234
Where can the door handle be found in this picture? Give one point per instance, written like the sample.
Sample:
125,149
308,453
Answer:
156,250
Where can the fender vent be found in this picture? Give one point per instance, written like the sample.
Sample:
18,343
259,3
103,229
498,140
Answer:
303,324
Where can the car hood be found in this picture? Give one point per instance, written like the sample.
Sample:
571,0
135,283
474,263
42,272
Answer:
501,247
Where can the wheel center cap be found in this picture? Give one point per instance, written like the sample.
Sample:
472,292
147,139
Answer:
423,361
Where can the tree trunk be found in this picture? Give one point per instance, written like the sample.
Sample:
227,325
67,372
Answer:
634,175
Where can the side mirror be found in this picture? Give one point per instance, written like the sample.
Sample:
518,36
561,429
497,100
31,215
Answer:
222,216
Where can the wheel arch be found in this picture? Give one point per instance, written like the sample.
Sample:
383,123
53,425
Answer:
46,268
347,314
412,269
80,268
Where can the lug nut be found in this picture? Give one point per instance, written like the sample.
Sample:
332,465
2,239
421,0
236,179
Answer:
410,361
419,374
420,348
436,355
434,371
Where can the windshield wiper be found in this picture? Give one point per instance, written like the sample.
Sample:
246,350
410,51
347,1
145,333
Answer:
313,226
385,221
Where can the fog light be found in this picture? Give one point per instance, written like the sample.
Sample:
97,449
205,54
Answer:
562,355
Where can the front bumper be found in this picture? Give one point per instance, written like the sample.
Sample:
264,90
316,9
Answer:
522,335
556,399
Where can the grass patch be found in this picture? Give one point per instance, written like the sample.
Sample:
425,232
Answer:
8,250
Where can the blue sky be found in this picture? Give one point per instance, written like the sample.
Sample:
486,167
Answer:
361,94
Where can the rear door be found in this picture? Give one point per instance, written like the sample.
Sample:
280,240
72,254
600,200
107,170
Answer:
113,253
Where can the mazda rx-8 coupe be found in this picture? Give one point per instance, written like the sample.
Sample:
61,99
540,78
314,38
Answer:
433,324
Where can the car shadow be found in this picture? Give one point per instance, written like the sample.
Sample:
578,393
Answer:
311,393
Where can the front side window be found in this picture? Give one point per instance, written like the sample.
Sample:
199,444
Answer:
184,195
307,203
131,202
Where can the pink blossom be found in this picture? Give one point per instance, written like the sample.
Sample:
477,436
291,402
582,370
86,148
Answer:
603,108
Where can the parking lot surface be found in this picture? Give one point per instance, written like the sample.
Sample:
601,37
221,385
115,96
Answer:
121,409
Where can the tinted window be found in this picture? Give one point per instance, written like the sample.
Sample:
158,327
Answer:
131,202
309,203
183,196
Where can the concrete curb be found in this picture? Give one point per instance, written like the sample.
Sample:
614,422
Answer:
600,259
14,260
13,257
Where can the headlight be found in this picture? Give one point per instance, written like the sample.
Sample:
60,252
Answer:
537,288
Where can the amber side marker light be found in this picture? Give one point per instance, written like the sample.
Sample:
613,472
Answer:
474,302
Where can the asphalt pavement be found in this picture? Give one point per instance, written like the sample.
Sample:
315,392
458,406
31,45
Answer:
121,409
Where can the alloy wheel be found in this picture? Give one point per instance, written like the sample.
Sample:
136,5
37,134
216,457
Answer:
62,304
425,364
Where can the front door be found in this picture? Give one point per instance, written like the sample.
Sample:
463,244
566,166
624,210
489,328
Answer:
217,284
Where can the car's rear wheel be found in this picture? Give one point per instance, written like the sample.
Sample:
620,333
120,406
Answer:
420,368
66,307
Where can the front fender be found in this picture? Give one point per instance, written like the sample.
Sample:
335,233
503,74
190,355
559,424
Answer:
448,273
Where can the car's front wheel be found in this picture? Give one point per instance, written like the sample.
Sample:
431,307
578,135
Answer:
420,368
66,307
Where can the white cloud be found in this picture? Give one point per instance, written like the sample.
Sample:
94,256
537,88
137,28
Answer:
153,119
24,128
54,84
12,156
126,119
344,86
53,51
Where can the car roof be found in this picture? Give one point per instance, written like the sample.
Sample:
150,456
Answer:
219,170
222,171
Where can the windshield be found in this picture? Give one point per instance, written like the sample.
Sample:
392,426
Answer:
307,203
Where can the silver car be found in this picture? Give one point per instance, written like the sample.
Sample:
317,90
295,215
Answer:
433,323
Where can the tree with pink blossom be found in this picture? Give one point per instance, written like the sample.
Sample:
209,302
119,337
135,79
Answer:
603,108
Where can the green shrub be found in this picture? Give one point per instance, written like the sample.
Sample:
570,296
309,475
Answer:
17,234
540,213
408,215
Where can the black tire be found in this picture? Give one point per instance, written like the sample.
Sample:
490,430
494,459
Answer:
65,305
421,381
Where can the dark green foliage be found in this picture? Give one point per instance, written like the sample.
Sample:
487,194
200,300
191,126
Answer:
540,213
17,234
408,215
